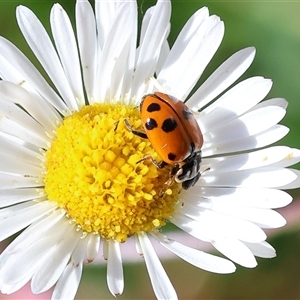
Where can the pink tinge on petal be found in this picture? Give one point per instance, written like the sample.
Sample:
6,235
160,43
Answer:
25,293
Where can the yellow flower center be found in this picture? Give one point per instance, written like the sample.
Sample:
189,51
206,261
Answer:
92,171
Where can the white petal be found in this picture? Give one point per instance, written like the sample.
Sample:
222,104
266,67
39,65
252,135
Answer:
145,23
262,249
255,159
14,196
118,38
247,142
86,35
239,197
20,142
79,253
11,210
15,271
186,34
236,251
66,46
115,279
257,86
10,127
219,223
264,218
200,60
118,74
130,67
37,230
281,102
161,284
35,105
29,73
164,53
149,50
226,109
40,43
12,288
293,184
182,75
53,264
18,115
292,158
249,124
105,249
8,181
18,265
263,177
222,78
24,94
194,228
197,258
17,219
105,15
13,165
138,245
68,283
24,154
92,247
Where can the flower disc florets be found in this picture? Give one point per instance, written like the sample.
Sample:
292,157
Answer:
92,172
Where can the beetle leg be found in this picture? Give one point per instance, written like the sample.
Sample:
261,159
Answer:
171,179
174,170
166,185
157,164
141,134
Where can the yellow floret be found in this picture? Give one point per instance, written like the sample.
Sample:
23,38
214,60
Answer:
92,171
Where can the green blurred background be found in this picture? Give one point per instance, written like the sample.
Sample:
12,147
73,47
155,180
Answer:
273,27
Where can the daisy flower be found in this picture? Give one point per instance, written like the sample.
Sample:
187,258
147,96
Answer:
73,176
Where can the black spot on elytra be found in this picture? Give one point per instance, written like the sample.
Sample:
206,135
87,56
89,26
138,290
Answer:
169,125
187,114
153,107
171,156
150,124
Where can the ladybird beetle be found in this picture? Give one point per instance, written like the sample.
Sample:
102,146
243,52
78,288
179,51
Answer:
175,135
